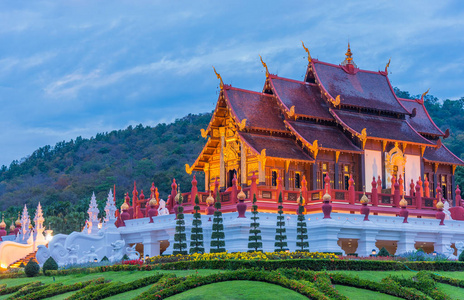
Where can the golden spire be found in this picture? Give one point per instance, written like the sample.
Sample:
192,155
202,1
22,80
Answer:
348,59
18,221
307,51
3,224
221,84
264,65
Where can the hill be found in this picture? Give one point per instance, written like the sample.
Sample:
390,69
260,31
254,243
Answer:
63,177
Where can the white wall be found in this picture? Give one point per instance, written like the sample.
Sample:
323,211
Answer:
373,167
412,170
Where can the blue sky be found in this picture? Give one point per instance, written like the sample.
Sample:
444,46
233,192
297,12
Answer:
76,68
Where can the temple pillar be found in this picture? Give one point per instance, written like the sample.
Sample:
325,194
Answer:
336,179
406,242
243,170
435,177
367,242
151,248
453,190
261,173
384,172
363,172
314,176
222,169
324,238
443,240
206,177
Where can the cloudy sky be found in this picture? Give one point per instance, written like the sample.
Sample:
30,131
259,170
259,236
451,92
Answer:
76,68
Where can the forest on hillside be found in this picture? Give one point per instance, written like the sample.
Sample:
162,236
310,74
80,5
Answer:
64,176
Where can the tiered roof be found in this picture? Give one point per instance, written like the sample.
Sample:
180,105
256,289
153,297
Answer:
421,121
337,107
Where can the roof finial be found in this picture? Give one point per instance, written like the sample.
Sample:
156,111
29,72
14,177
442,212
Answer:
348,59
221,84
264,65
424,94
388,65
307,51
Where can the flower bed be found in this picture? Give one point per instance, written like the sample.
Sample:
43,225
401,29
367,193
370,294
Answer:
240,256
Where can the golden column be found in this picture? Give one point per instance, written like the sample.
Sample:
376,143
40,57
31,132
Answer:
243,170
206,169
222,175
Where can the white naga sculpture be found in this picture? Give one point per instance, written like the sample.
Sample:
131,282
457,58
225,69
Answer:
446,209
162,210
72,254
132,253
118,250
90,256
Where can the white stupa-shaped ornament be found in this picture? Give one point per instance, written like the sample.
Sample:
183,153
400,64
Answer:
110,210
25,224
93,215
38,222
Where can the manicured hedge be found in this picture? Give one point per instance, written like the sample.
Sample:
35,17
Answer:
305,288
423,282
89,289
117,288
100,269
14,289
448,280
53,290
316,264
11,274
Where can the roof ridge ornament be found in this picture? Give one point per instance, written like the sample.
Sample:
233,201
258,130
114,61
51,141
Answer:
387,66
307,51
221,85
349,59
265,66
424,94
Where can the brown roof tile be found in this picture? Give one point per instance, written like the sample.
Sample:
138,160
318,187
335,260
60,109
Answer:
422,121
260,110
328,137
364,89
441,154
304,96
380,127
275,146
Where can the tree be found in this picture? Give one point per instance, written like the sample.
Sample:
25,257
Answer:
50,264
383,252
180,245
217,236
254,241
301,230
32,268
196,238
280,238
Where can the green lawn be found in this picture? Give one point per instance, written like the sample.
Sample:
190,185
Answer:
360,294
378,275
452,291
238,290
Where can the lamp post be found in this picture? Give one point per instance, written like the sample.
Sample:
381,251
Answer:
374,253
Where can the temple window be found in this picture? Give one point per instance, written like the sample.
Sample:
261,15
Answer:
444,190
297,181
274,178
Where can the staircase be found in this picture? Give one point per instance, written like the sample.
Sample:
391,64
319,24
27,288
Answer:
23,260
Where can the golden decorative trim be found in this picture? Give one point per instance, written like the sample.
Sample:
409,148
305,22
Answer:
363,137
204,133
189,169
221,84
222,131
336,101
314,148
424,94
422,150
242,124
262,158
287,165
307,51
454,169
404,147
337,155
388,65
265,66
384,145
291,113
436,167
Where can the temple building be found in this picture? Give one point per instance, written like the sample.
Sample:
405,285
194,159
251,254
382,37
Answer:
341,121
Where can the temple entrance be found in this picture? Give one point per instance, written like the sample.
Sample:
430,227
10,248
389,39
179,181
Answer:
395,162
230,177
348,245
390,246
428,247
163,246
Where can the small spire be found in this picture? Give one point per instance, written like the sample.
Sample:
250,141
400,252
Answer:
348,59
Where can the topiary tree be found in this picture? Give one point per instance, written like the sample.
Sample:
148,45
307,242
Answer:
280,238
217,236
180,245
383,252
461,256
50,264
125,257
196,238
105,258
254,240
32,268
302,236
